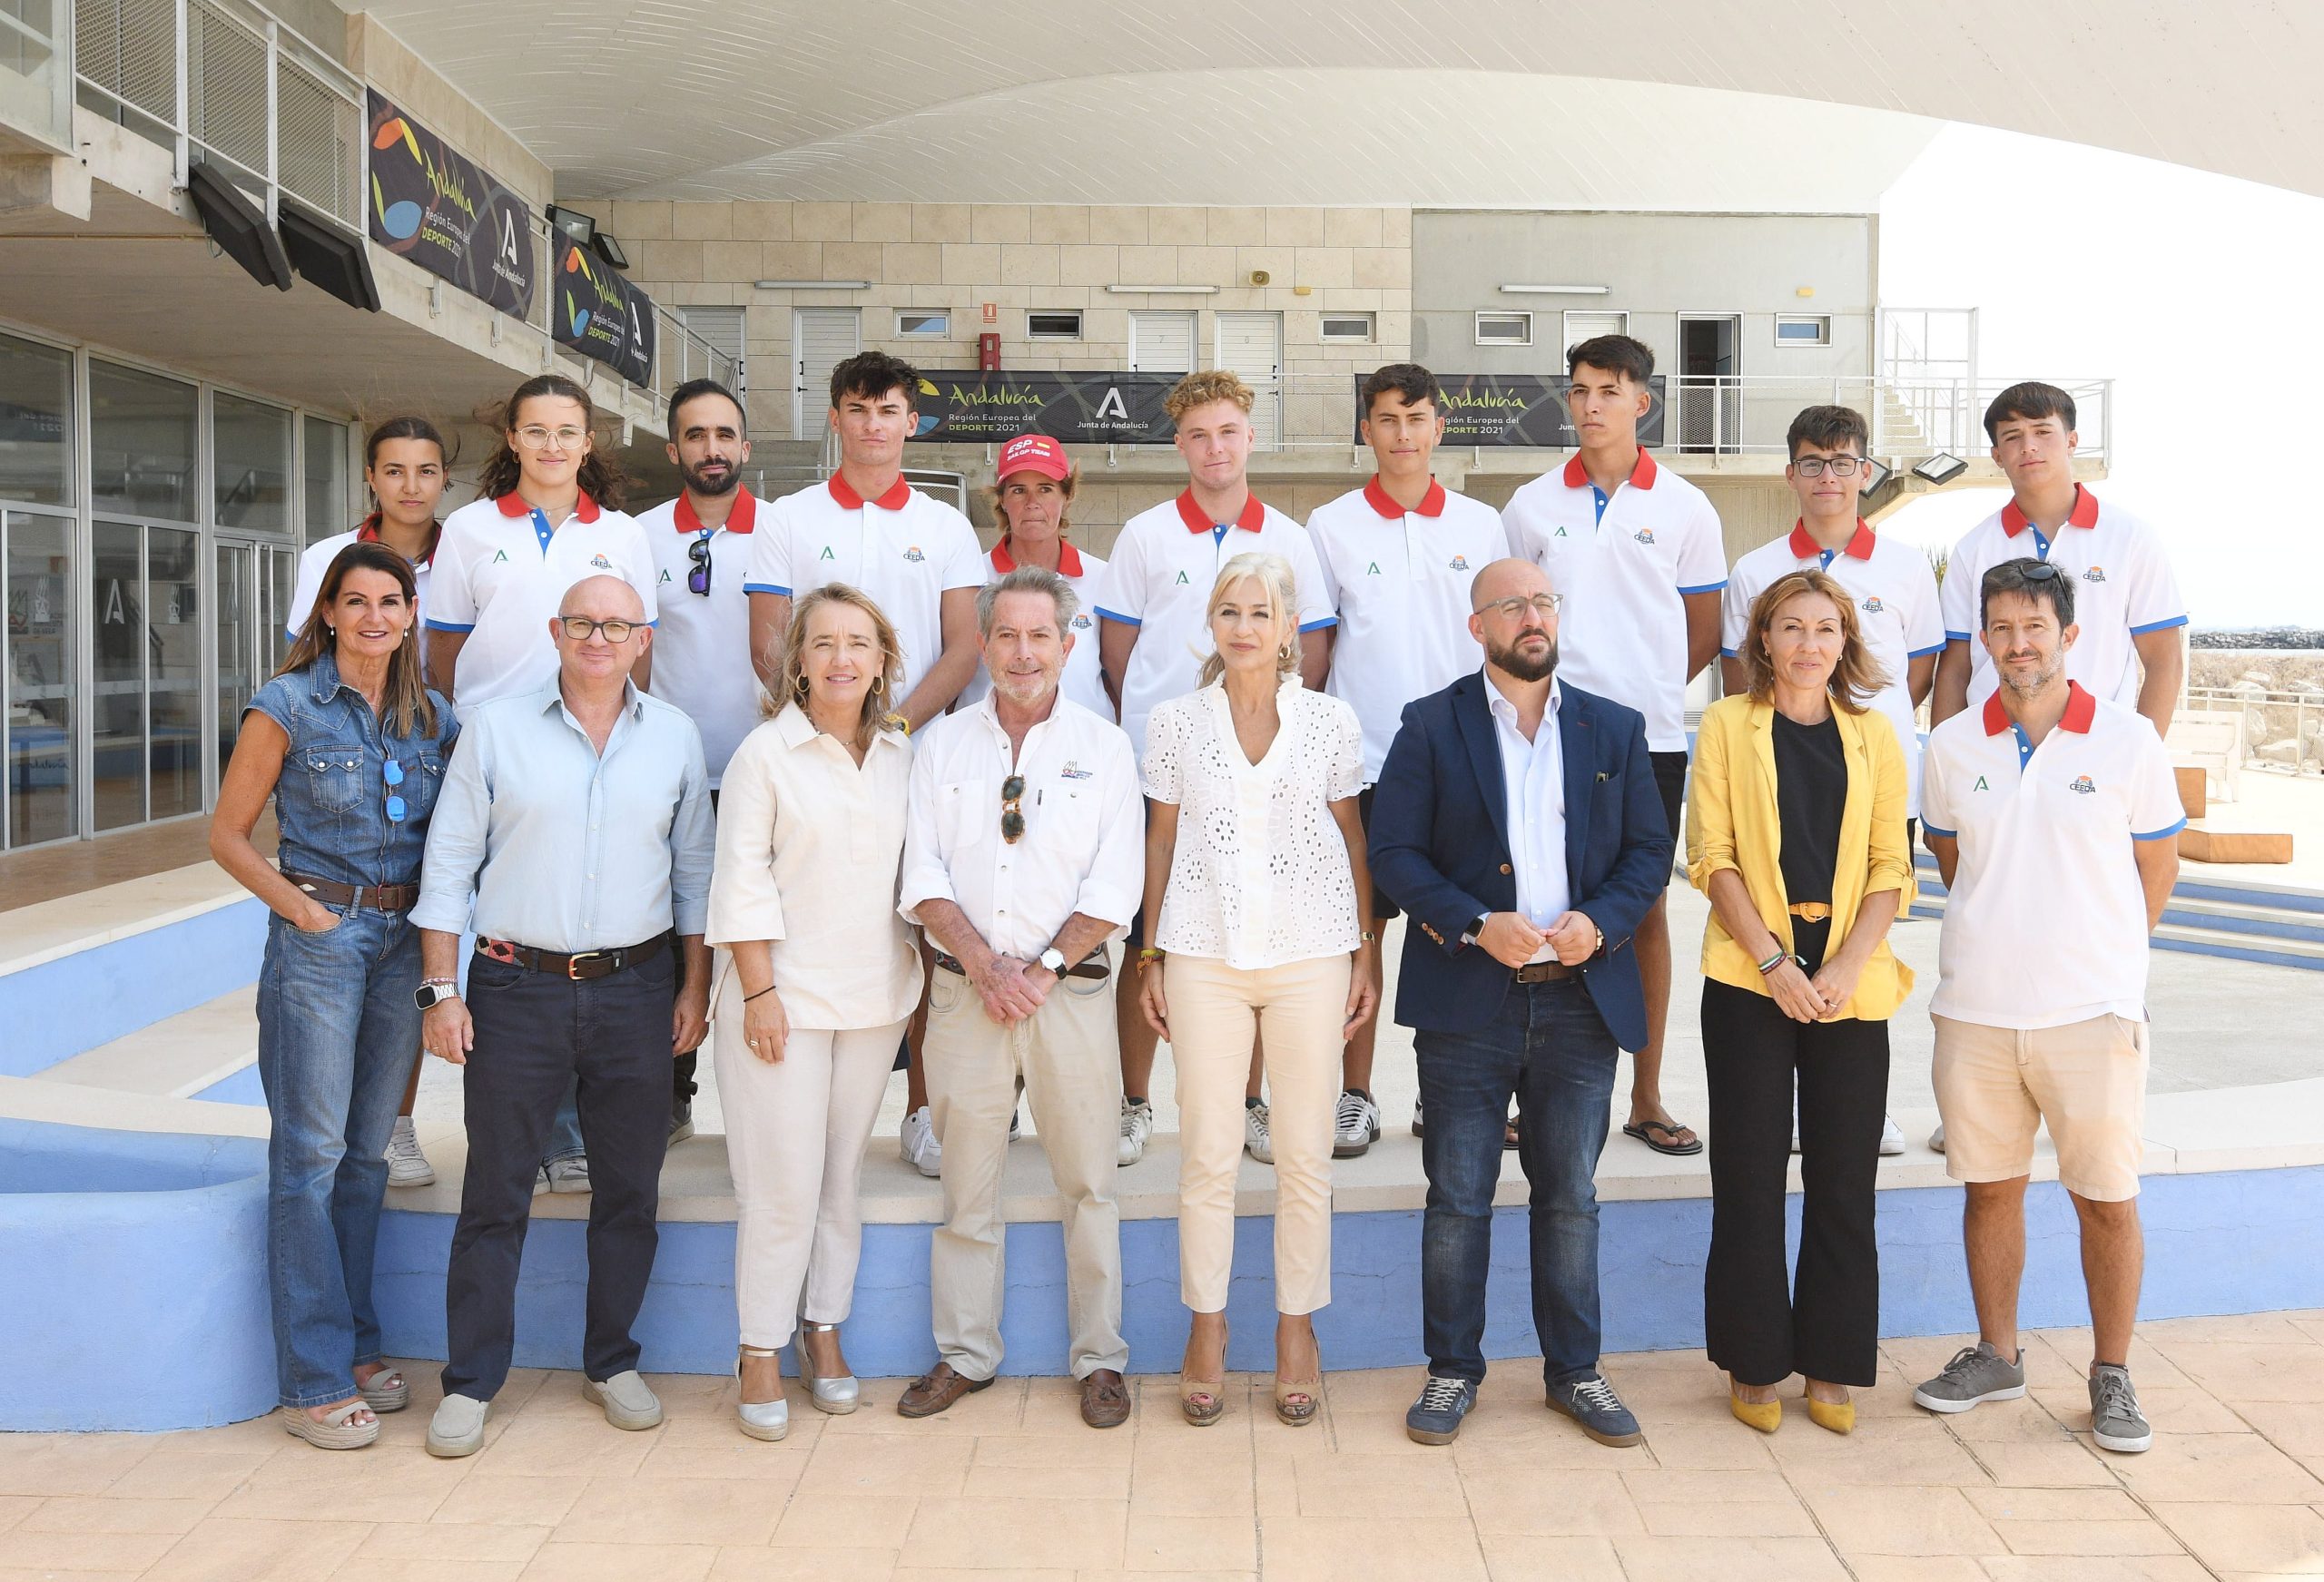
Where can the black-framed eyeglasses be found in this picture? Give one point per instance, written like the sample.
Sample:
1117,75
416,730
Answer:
1515,606
698,579
1839,466
391,771
579,628
1012,814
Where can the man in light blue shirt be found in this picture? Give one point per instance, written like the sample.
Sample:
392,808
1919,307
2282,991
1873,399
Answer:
573,835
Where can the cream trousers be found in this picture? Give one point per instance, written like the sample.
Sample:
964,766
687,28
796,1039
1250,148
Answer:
1215,1010
795,1133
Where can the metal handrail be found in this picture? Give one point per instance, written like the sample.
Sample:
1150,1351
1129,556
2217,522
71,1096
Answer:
2267,709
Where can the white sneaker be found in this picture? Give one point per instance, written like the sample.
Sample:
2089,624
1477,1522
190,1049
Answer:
1936,1138
1419,1121
1255,1140
407,1165
1137,1128
1355,1126
1892,1137
1795,1122
568,1175
922,1152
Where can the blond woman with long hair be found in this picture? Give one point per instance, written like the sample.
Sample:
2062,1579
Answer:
821,978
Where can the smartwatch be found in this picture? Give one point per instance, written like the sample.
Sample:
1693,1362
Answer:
1053,959
433,992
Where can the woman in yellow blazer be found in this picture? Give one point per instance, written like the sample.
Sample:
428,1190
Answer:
1796,831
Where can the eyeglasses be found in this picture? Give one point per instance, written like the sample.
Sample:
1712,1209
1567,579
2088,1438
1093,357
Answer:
392,772
1839,466
1515,608
580,628
1012,816
698,579
536,437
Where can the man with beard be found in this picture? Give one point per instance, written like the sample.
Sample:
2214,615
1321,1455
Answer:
1518,822
702,645
2052,812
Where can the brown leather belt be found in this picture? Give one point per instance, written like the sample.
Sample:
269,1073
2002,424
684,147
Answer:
378,898
1544,972
1812,911
1091,966
579,966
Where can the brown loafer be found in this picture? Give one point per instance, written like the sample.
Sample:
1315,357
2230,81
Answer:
1105,1399
936,1390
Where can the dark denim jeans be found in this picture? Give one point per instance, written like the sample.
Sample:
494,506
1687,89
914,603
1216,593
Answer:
1550,1047
336,1036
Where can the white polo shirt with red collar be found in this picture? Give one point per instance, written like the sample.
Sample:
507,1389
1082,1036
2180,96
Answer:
1896,612
1084,680
905,549
314,563
502,567
1625,563
2123,589
1159,581
2046,922
702,646
1399,582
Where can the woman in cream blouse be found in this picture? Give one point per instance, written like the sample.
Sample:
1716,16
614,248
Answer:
810,837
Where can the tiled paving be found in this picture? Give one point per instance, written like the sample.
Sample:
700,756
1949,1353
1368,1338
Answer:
1009,1483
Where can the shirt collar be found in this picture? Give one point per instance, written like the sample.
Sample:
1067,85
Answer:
513,505
1431,503
894,499
1197,520
367,532
324,674
741,519
1498,703
1642,476
552,696
2083,515
1069,559
2081,709
1805,547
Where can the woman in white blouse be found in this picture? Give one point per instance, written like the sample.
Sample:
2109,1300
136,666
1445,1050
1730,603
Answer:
1255,862
810,838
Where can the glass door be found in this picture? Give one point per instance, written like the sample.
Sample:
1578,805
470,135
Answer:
233,612
147,722
36,677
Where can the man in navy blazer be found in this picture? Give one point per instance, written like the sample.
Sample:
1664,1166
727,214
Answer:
1517,822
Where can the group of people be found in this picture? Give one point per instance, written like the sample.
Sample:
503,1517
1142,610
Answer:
821,781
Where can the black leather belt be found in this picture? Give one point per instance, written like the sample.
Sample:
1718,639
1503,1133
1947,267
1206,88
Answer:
580,965
378,898
1090,966
1545,972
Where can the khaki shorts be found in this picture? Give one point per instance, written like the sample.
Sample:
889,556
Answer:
1994,1085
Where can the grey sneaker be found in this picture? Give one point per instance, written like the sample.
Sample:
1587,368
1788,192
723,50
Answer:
1257,1141
629,1401
407,1165
2115,1421
1589,1400
566,1175
1137,1129
1435,1418
458,1427
1976,1374
681,1121
1356,1125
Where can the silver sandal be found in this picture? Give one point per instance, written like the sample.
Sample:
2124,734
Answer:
335,1432
762,1420
382,1396
839,1394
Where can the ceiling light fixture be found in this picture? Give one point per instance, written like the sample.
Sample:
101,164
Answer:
1940,470
1556,291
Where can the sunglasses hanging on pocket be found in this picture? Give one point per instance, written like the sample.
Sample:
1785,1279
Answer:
391,771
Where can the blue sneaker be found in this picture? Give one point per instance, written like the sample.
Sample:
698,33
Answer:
1589,1400
1435,1418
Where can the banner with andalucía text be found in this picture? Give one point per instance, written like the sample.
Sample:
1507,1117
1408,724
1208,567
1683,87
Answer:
598,314
446,212
1523,410
978,406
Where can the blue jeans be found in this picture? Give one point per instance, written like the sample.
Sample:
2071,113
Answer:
565,1131
337,1036
1549,1046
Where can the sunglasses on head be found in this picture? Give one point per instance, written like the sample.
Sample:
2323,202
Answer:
698,579
1012,816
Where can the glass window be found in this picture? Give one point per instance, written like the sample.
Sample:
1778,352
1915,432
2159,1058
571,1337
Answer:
936,325
117,710
252,444
1803,329
1347,327
1504,329
173,644
1064,324
237,661
36,575
141,443
328,510
36,423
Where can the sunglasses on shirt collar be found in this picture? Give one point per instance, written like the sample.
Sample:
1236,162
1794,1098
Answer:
698,579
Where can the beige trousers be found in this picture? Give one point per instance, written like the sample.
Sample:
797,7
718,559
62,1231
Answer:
1069,1061
795,1133
1215,1010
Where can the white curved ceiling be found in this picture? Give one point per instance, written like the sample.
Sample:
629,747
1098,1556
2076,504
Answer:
1521,103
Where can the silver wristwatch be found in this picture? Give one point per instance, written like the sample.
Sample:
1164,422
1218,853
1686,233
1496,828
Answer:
1053,959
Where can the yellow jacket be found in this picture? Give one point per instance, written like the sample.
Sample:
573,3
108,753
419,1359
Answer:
1732,822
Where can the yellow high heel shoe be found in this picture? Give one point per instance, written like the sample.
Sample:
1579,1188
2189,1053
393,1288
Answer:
1766,1416
1838,1416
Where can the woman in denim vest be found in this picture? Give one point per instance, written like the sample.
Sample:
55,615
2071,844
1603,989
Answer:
350,744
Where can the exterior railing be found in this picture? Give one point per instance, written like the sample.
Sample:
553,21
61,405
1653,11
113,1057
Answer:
2281,730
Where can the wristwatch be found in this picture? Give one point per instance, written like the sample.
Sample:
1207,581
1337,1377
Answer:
1053,959
428,995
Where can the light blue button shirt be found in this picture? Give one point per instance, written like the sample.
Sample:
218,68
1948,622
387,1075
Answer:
556,847
1532,776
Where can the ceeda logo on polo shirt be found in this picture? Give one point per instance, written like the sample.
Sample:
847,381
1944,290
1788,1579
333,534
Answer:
601,562
2080,785
1081,623
914,554
1644,536
2096,574
1073,771
1457,562
1873,607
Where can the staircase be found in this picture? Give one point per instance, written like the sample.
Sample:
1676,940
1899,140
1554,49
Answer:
2279,927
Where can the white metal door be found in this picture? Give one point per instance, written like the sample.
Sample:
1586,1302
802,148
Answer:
1251,345
820,339
1162,343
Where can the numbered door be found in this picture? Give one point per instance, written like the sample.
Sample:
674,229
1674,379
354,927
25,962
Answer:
1162,342
820,339
1251,345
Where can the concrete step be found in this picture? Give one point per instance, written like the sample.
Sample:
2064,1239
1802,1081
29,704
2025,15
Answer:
2253,927
201,1053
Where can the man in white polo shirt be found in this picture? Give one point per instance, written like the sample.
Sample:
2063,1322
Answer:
2051,813
1153,627
1636,551
1397,556
2132,609
915,555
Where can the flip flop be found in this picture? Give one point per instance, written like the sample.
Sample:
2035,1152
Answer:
1642,1128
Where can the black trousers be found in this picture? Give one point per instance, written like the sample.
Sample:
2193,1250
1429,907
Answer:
1823,1322
535,1034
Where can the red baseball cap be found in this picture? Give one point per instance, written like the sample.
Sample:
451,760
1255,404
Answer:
1034,453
